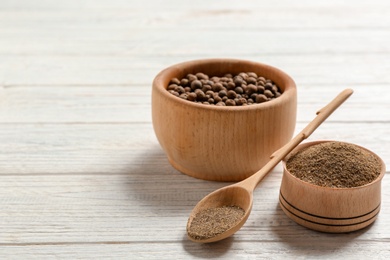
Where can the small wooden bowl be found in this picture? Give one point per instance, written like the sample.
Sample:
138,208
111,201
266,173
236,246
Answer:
332,210
222,143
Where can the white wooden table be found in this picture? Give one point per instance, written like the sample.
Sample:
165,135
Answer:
81,172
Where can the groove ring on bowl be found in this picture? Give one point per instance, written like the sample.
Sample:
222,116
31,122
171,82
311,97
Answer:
326,209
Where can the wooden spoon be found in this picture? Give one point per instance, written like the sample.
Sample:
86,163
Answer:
241,193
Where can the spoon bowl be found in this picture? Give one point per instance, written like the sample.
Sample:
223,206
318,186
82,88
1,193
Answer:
241,193
233,195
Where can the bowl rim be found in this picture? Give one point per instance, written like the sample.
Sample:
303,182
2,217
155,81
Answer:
311,143
162,76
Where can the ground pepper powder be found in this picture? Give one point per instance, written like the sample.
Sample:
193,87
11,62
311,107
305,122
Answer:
334,164
214,221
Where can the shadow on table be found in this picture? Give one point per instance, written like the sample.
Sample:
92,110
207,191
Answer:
160,190
209,250
306,242
153,182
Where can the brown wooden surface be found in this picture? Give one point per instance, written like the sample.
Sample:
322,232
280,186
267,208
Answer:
81,172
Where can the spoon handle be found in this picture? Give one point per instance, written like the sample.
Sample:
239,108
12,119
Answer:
326,111
251,182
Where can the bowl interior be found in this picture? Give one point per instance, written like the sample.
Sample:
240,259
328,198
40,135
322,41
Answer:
219,67
308,144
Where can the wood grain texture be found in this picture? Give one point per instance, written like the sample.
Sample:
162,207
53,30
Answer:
84,212
329,209
82,175
132,103
128,148
222,143
313,69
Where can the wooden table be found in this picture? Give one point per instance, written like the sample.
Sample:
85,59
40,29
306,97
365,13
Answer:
81,172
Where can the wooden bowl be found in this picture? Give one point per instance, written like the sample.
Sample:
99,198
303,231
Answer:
326,209
222,143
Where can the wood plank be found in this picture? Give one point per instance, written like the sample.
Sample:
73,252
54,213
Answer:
48,5
71,42
113,208
127,148
123,31
336,248
132,104
132,14
107,70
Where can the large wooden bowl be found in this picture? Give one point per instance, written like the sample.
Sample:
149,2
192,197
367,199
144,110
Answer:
222,143
326,209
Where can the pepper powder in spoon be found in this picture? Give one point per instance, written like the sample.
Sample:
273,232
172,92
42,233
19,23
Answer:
214,221
334,164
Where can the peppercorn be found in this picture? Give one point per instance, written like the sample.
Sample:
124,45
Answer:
183,96
251,80
175,81
233,90
251,89
240,101
243,75
231,94
200,94
252,74
238,81
230,102
174,93
191,77
222,93
260,89
239,90
209,92
184,82
261,79
215,79
206,88
261,98
268,86
191,96
172,87
268,93
217,98
218,87
261,83
230,85
196,84
224,79
180,89
201,75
